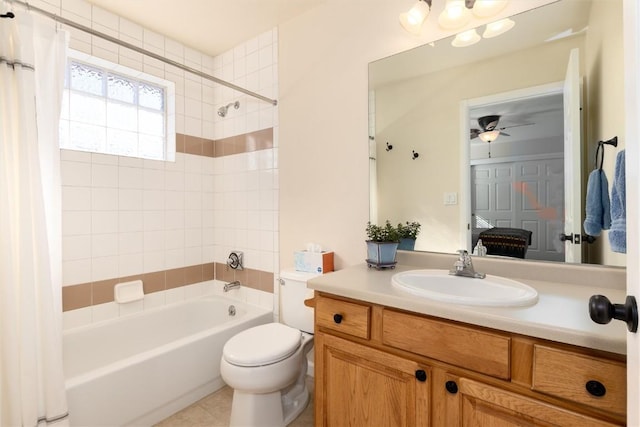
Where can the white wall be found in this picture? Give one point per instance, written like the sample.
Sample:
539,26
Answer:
605,98
324,167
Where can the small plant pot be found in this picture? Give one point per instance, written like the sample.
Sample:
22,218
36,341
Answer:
381,254
407,244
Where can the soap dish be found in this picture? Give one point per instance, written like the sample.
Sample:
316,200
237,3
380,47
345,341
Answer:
128,292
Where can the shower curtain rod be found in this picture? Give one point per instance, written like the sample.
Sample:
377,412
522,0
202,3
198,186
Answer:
107,37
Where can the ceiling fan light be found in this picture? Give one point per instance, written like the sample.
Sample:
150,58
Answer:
412,20
489,136
494,29
488,8
454,15
466,38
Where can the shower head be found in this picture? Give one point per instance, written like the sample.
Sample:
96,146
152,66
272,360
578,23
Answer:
222,111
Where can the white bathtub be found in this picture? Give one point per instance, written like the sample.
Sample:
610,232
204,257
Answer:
141,368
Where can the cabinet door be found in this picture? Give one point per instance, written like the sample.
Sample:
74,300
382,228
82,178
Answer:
361,386
483,405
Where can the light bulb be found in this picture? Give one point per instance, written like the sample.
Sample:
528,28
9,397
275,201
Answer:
413,19
455,15
494,29
489,136
466,38
487,8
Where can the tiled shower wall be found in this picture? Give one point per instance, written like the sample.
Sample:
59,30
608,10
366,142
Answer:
174,222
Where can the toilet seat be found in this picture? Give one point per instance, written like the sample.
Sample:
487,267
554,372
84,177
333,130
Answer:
262,345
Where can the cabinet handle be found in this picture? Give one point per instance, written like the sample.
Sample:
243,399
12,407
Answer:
421,375
451,387
596,388
337,318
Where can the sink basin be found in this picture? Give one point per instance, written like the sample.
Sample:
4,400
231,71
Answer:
439,285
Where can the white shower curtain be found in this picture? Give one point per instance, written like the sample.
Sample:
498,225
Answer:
32,58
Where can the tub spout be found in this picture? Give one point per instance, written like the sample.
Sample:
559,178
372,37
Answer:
231,285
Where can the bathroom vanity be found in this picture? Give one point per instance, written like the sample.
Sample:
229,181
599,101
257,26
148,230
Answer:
386,357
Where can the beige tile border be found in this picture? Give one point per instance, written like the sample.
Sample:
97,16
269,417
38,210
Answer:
94,293
245,143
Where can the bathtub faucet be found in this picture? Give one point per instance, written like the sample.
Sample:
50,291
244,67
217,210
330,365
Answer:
231,285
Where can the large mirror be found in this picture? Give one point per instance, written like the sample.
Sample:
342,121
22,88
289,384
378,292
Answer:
429,105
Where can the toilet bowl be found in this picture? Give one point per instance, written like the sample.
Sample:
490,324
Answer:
267,365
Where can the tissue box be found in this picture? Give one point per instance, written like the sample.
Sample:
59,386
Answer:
313,262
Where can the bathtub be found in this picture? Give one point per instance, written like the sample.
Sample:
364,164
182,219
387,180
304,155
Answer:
141,368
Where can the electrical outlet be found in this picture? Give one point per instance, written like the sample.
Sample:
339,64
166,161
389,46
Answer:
450,198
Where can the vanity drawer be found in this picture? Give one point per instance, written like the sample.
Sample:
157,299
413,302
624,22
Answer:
571,375
343,316
470,348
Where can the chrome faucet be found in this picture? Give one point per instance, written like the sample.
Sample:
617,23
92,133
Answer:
464,266
231,285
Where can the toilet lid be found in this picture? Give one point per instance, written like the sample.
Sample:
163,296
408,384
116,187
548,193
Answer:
262,345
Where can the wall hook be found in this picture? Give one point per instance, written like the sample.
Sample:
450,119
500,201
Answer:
389,147
414,155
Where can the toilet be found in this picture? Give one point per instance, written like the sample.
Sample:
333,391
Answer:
267,365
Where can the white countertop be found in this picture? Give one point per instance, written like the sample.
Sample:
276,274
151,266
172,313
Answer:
561,313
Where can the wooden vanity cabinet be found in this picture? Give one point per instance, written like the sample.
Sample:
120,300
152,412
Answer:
378,366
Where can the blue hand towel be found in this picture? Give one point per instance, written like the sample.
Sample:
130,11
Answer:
618,233
598,216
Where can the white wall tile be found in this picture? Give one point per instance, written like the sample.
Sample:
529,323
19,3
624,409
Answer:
104,175
75,173
76,198
131,29
130,199
152,200
103,245
104,268
131,243
153,220
174,258
130,264
153,240
104,222
76,247
153,179
153,261
130,221
76,271
103,199
76,222
130,177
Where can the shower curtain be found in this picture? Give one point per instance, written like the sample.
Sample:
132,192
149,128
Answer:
32,58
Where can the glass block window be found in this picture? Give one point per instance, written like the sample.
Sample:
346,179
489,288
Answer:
108,112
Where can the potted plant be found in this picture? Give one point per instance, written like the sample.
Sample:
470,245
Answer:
382,245
408,232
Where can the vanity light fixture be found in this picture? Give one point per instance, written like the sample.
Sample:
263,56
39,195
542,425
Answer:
466,38
455,15
494,29
413,19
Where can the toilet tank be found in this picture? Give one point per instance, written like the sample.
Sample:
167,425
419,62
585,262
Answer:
293,292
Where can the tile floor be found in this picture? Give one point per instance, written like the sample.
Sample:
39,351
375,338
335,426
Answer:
214,410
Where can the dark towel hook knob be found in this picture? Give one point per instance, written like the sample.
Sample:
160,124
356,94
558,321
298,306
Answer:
602,311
